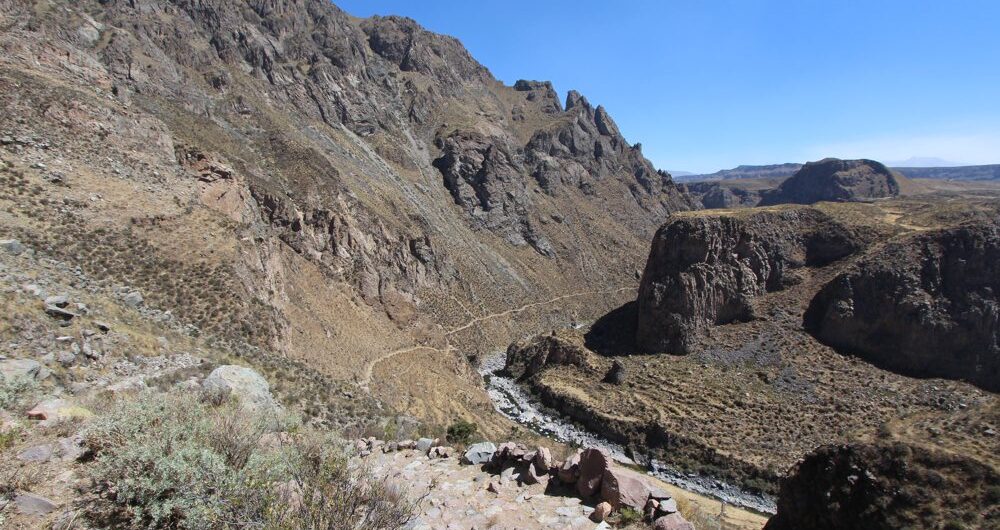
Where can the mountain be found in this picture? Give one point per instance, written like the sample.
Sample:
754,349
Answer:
990,172
745,172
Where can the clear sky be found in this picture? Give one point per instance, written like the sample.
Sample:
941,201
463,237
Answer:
710,84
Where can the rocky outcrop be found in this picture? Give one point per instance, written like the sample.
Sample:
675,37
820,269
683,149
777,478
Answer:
707,271
836,180
529,357
886,487
926,305
485,177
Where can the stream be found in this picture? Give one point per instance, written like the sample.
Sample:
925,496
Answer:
517,404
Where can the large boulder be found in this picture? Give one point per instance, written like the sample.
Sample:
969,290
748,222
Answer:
246,385
832,179
926,305
593,465
479,454
708,270
624,487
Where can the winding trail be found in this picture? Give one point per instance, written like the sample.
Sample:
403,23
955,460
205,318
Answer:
366,379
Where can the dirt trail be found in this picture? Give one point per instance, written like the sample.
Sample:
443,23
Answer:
366,378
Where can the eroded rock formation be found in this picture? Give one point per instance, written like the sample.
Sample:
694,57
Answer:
707,270
925,305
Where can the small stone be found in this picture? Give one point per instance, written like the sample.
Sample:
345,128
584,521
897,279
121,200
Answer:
667,507
66,358
12,246
103,326
601,512
493,487
36,505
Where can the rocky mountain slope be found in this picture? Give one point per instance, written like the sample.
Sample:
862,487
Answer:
832,179
746,172
318,185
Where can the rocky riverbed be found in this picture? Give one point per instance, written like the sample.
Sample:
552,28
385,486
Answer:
516,403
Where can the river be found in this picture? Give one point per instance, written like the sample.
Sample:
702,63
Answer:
516,403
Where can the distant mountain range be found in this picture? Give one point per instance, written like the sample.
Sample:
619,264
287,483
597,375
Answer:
917,171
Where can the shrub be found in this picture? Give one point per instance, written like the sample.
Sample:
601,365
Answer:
461,432
15,392
627,516
168,461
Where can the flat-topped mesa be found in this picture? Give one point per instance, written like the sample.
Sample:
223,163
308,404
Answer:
836,180
926,305
708,270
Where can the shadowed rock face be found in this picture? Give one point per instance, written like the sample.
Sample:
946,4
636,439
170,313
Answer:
925,306
529,357
706,271
836,180
878,487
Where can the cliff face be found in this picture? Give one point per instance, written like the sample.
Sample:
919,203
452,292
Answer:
926,305
707,270
886,487
836,180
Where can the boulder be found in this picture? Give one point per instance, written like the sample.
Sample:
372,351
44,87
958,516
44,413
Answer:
673,521
624,487
38,453
593,463
133,299
543,459
601,512
245,384
424,444
569,471
616,375
440,452
57,300
19,368
59,313
479,454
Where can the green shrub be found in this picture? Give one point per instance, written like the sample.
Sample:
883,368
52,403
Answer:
15,392
169,461
461,432
627,516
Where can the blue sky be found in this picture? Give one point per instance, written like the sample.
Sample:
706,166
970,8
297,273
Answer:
710,84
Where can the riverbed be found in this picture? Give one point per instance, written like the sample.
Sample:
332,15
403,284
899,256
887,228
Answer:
517,404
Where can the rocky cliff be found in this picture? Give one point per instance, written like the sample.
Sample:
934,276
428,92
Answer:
886,486
708,270
832,179
925,305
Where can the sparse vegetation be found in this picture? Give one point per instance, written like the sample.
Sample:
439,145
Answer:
175,462
461,432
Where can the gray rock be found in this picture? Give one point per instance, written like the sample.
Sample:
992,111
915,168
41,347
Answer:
39,453
424,444
133,299
66,358
57,300
60,313
103,326
30,504
243,383
479,453
19,368
12,246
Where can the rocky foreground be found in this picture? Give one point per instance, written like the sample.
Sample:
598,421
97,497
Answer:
512,486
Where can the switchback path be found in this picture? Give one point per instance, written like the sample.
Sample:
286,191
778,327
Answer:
366,378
